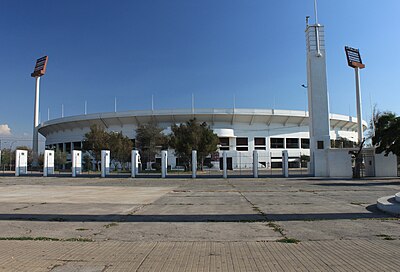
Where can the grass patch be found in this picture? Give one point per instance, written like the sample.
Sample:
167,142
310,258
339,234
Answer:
275,227
20,208
81,229
386,237
288,240
27,238
80,239
111,225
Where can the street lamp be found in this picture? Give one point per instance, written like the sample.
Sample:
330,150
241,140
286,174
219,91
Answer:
40,70
355,62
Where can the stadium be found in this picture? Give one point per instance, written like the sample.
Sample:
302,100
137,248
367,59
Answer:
241,131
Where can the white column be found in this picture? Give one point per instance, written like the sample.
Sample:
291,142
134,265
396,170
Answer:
105,163
224,164
35,143
194,163
48,166
134,163
318,99
76,162
164,163
359,108
285,163
255,163
21,162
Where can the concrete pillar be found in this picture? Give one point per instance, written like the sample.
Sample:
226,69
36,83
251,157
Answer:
76,162
255,164
21,162
194,163
48,166
285,163
318,100
164,163
105,163
135,158
225,164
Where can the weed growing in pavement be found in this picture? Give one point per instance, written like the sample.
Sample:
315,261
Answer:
111,225
27,238
386,237
81,229
288,240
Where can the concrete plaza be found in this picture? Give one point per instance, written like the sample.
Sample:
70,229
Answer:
123,224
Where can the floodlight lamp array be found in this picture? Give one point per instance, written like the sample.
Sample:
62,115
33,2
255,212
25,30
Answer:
40,67
353,57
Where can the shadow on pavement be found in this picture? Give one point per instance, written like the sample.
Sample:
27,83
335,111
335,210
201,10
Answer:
247,218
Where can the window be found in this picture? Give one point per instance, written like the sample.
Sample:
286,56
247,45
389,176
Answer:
224,143
242,144
320,144
277,143
259,143
292,143
305,143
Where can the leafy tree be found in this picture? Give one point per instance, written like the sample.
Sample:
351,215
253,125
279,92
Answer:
60,158
120,147
387,133
6,157
95,141
193,136
87,160
150,140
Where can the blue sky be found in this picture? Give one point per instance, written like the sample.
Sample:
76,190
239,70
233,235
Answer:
254,50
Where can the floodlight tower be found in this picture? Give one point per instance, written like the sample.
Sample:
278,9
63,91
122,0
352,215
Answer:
318,99
40,70
354,61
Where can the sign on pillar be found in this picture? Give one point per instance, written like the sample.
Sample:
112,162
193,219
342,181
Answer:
225,164
76,162
194,163
21,162
48,165
255,163
105,163
285,163
164,163
135,161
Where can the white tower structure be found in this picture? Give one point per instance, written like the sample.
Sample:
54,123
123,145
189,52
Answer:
40,69
318,100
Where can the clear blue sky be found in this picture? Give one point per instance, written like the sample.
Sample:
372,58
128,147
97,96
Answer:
254,50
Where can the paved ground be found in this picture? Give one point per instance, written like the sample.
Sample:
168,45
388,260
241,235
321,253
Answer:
92,224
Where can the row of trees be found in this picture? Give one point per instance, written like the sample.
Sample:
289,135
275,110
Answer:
386,136
150,140
98,139
8,157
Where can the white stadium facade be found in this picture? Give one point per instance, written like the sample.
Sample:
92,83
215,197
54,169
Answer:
241,131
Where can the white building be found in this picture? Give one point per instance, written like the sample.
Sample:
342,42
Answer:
240,131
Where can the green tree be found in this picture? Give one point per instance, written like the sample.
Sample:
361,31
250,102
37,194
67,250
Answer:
150,140
95,141
87,160
387,133
6,157
193,136
120,148
60,158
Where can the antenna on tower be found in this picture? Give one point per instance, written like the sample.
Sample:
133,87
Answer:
316,12
317,42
